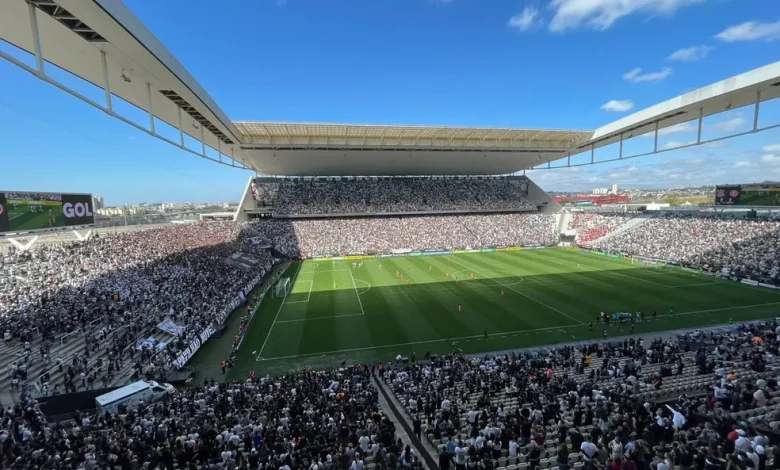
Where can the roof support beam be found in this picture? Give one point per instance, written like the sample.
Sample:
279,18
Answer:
417,137
36,37
755,113
181,129
620,155
151,110
655,138
106,84
699,125
202,141
501,137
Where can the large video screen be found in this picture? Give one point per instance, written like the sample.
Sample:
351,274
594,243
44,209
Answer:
24,212
764,194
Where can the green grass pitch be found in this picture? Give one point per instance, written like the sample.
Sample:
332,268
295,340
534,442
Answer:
22,218
335,312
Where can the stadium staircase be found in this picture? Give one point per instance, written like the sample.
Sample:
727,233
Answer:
629,225
64,351
563,217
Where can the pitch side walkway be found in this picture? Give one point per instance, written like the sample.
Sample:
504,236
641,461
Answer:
424,450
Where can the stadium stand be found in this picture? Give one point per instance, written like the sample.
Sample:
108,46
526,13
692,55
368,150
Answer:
379,235
726,244
308,420
321,196
72,314
706,400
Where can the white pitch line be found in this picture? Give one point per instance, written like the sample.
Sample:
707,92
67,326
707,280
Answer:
591,269
508,286
356,291
321,318
311,284
696,284
427,341
508,333
268,335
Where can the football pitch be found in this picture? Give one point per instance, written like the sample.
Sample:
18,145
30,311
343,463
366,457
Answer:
337,312
22,218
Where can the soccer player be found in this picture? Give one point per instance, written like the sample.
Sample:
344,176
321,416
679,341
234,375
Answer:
460,307
472,276
502,292
671,311
486,335
590,325
655,314
448,275
430,267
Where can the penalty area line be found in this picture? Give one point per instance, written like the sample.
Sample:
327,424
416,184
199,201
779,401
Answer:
268,335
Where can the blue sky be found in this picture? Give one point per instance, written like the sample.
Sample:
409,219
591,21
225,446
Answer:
559,64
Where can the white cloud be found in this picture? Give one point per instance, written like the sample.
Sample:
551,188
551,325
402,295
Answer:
600,15
674,129
771,159
744,164
690,54
729,126
525,20
772,148
674,143
750,31
636,75
618,106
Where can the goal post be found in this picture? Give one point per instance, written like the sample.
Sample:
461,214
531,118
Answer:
282,287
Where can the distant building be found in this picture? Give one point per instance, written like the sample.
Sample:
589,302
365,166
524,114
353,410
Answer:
614,189
97,202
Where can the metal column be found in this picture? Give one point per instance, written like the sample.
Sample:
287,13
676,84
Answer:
106,84
655,139
151,109
701,120
36,37
755,113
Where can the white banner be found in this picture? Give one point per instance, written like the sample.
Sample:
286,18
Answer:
170,327
145,343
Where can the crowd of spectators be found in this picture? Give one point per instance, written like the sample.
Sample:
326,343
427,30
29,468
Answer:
734,245
705,401
306,421
119,286
312,237
393,195
590,226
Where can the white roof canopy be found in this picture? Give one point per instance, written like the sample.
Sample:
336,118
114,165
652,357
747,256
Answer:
102,42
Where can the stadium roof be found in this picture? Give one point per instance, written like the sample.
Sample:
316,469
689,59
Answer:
102,42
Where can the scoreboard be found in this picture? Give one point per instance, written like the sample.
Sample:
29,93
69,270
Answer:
28,211
763,194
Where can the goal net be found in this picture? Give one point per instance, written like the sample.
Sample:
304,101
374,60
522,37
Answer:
282,287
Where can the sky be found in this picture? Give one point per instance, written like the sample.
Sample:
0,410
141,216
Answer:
559,64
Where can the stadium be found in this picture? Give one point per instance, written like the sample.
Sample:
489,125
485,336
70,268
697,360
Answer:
384,296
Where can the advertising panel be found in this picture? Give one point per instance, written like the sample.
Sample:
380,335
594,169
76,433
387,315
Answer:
25,211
